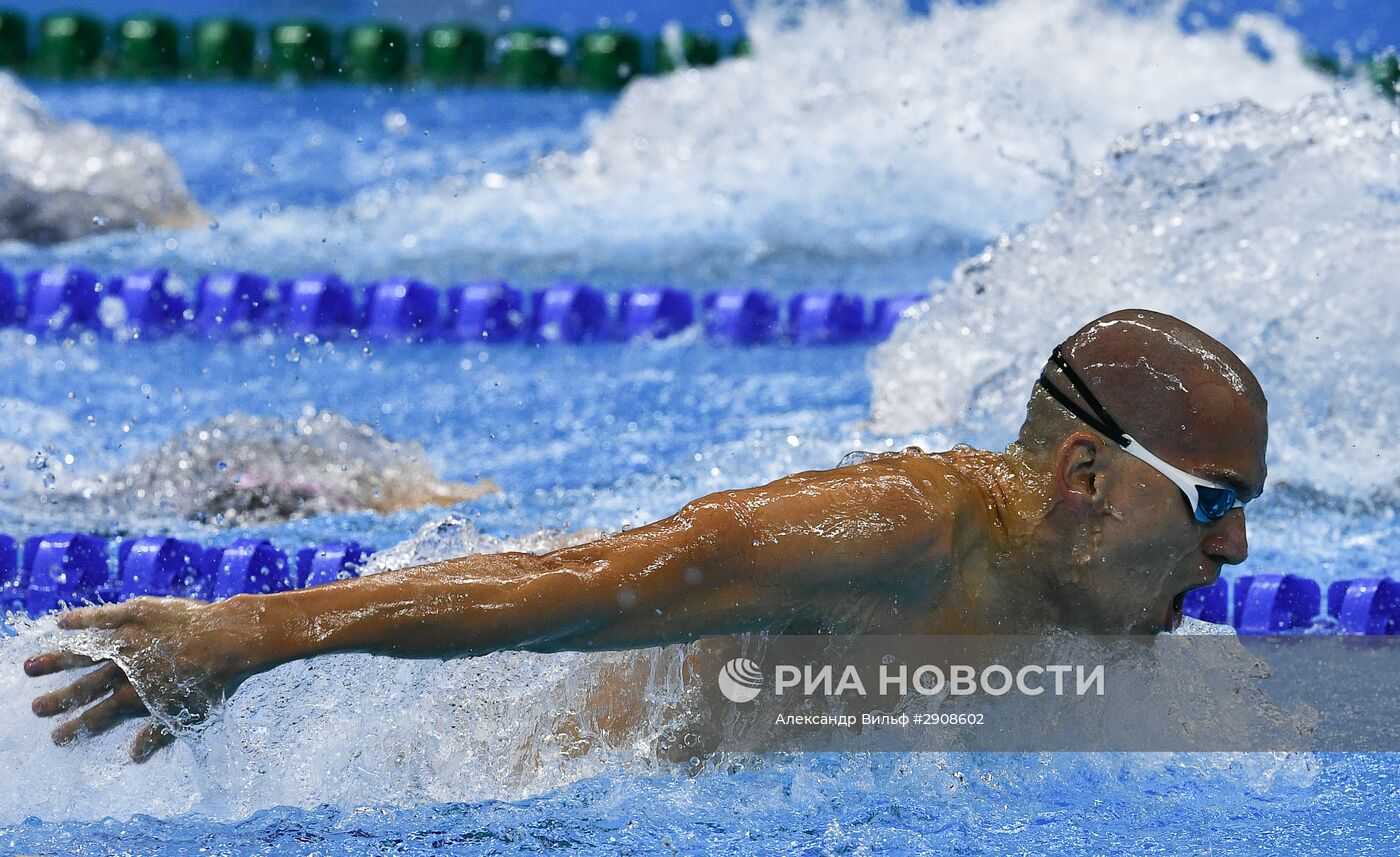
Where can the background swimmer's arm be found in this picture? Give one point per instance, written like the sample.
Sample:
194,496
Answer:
734,561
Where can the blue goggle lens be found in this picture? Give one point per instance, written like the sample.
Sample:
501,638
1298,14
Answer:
1213,503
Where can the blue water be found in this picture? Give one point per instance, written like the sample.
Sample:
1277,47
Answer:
267,154
600,437
822,805
515,413
321,146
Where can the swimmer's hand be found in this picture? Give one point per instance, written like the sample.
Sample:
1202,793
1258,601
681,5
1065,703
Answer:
185,655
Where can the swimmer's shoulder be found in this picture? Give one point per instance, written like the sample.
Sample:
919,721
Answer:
957,474
950,485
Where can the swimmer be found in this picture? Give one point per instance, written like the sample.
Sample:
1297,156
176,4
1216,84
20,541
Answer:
241,470
1143,440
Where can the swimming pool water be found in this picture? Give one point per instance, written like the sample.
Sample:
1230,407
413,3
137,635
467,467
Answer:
825,805
792,191
674,417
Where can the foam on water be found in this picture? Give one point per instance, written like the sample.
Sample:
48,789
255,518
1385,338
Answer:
63,180
352,730
858,132
1278,232
355,730
854,133
29,460
851,135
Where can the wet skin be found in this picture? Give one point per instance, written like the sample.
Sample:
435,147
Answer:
1086,538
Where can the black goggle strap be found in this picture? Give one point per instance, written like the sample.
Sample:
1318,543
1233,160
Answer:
1099,419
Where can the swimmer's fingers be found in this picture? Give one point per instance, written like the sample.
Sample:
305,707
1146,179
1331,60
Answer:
121,706
91,686
56,661
104,617
150,740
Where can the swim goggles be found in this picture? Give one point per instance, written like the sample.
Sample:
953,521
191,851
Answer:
1209,501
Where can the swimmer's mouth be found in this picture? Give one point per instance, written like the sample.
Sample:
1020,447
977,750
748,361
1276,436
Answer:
1174,616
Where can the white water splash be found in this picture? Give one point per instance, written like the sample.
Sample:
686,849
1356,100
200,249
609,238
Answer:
351,730
29,459
802,149
355,730
1278,232
858,133
64,180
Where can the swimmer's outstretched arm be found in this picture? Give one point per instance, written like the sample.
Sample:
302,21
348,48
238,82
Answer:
736,561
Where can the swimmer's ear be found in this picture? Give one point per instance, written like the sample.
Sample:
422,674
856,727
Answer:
1078,476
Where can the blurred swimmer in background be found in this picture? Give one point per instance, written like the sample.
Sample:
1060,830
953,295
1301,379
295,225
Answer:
241,470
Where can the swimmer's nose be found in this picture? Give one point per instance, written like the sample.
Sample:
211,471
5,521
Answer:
1226,542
